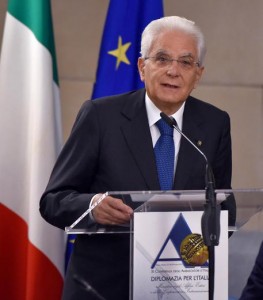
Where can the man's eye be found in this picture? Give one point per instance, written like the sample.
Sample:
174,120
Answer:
161,59
185,62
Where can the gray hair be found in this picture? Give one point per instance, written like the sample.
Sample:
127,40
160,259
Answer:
173,23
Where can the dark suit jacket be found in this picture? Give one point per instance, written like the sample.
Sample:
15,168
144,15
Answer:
254,287
110,149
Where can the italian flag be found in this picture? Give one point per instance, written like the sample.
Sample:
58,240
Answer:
31,251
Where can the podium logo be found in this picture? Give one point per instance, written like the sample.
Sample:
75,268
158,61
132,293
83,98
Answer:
177,236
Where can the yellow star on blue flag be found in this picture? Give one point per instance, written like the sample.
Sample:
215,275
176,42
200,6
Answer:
120,53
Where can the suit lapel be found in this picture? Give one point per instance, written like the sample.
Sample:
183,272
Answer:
137,135
188,156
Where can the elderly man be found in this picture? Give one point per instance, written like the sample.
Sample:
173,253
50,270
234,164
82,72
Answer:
112,148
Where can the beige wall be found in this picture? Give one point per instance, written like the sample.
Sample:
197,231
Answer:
234,66
234,75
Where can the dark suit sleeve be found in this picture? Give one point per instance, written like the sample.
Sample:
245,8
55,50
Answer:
67,195
254,287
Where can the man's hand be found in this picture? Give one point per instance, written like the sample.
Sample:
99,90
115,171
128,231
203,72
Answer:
111,211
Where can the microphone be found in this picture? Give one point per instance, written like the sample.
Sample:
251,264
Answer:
210,222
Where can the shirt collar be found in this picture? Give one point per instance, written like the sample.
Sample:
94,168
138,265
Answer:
153,113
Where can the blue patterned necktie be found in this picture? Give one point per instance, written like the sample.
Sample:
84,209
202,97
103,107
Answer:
164,154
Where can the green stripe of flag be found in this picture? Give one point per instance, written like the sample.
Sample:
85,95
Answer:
36,15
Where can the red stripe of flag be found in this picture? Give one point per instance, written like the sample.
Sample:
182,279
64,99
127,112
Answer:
27,274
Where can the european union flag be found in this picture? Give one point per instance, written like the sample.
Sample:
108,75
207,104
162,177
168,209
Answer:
69,248
120,48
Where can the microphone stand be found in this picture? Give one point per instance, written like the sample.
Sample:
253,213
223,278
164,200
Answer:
210,222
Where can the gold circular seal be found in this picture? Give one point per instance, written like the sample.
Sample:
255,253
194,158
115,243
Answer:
193,250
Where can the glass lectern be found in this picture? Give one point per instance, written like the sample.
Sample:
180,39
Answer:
183,237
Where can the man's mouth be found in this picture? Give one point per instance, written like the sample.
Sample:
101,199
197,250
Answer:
171,86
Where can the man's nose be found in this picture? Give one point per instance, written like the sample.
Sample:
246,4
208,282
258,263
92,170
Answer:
174,68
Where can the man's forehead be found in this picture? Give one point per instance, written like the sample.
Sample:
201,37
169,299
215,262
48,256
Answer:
175,41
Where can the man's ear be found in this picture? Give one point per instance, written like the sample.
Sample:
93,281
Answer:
199,74
141,64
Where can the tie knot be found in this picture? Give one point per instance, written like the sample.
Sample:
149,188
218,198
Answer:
164,128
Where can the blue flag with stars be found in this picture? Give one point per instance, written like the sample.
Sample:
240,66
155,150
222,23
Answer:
120,47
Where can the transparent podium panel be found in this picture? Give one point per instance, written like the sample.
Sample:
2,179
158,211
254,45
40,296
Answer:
248,203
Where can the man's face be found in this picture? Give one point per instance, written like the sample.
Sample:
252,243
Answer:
169,82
